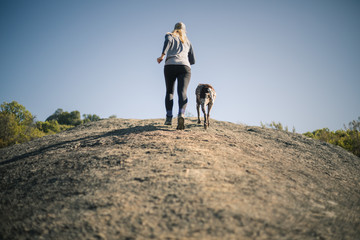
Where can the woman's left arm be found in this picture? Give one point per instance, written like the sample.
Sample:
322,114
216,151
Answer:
191,55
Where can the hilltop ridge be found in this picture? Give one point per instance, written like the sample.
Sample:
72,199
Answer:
129,179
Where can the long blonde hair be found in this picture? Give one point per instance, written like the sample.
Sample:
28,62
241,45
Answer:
180,33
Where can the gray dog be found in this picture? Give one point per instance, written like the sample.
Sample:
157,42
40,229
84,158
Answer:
205,96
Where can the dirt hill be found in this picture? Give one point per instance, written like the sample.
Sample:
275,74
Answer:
138,179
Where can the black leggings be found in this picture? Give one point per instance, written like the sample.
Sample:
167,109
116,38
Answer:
183,74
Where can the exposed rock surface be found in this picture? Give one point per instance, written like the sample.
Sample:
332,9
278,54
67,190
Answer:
136,179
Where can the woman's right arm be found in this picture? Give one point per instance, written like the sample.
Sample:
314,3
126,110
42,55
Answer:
166,48
159,59
167,44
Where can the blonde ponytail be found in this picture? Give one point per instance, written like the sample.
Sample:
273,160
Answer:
180,32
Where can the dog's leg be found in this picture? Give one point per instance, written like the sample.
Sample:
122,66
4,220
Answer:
208,113
198,110
204,112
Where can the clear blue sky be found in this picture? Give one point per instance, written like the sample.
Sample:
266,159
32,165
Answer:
294,62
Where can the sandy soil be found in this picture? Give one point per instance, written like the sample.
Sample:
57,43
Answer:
138,179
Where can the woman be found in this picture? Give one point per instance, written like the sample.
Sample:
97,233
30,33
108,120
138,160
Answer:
179,56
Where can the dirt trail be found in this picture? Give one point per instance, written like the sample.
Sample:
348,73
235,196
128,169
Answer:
138,179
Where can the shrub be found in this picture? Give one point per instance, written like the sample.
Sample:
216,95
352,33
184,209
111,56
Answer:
16,125
348,139
51,127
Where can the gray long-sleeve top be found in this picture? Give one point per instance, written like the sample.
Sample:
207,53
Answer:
178,53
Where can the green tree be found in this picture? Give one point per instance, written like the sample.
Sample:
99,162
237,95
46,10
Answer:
16,124
90,118
51,127
9,129
65,118
22,116
354,133
348,139
55,115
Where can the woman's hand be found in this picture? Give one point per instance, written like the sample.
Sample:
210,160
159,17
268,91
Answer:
159,59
